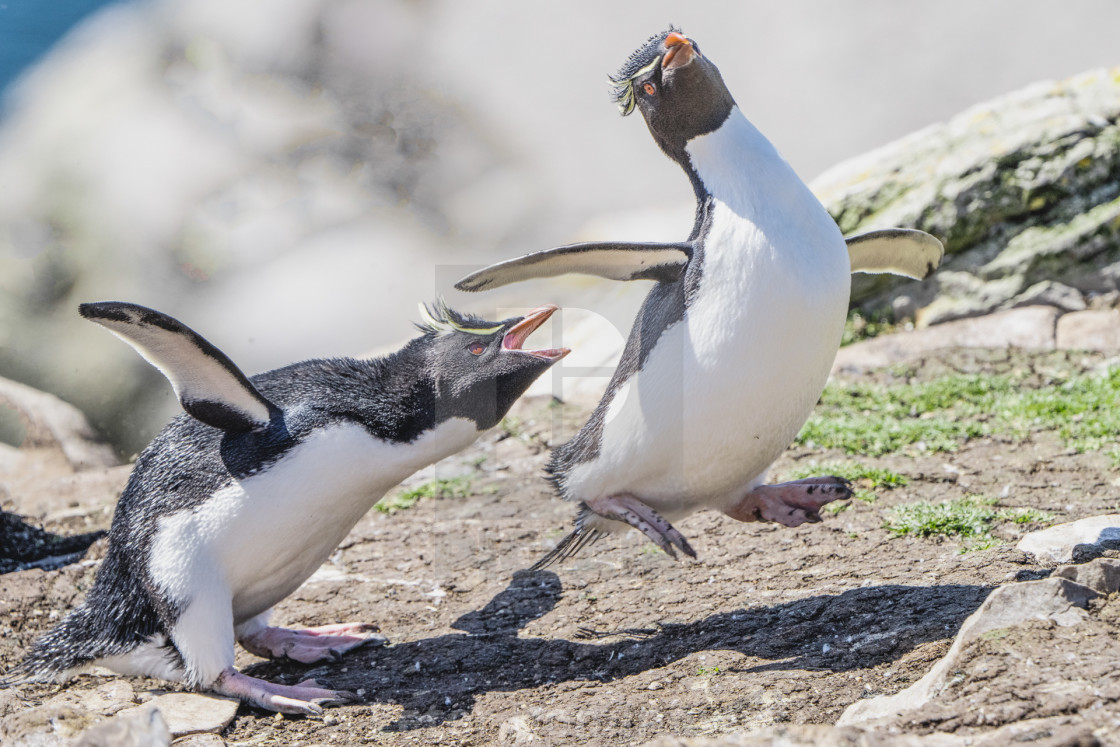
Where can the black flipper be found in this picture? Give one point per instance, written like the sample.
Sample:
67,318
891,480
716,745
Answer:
898,251
614,260
209,386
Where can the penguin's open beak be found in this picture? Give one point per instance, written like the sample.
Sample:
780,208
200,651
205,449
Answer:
678,51
520,332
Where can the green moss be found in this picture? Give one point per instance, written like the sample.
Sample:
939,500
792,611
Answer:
455,487
861,327
971,516
942,414
512,426
963,517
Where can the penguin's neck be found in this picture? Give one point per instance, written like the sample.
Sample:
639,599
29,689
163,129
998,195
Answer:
736,165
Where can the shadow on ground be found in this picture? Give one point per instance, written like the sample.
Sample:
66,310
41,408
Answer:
438,679
24,546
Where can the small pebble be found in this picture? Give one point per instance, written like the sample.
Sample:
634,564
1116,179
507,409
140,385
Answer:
655,685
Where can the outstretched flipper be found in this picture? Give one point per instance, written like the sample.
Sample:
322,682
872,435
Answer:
612,260
209,386
898,251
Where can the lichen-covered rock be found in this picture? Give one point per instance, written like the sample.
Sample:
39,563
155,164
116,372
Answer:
1023,190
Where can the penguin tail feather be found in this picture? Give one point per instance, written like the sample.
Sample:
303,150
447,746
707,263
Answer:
60,653
579,538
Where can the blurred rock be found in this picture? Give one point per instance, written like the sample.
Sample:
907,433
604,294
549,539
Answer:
1049,293
61,470
291,177
291,183
1031,328
1024,191
1090,330
49,423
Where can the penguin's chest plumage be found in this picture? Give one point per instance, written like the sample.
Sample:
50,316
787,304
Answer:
726,388
262,536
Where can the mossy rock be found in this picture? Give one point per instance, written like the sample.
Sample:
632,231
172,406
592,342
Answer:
1024,189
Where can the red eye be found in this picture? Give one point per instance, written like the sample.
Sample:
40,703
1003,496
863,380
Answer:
649,88
476,348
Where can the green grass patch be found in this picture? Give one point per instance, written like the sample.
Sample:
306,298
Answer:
454,487
512,426
964,517
971,517
942,414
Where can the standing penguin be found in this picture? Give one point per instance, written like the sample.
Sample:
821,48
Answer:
732,347
236,503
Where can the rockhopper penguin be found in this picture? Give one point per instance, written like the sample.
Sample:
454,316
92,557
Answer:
236,503
732,347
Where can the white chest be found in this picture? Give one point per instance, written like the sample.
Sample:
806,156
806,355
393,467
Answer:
261,537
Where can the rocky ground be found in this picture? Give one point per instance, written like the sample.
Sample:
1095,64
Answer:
771,632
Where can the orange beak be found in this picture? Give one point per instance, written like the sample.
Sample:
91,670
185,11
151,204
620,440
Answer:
678,51
516,335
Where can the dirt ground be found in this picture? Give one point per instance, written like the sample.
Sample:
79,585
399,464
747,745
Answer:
622,644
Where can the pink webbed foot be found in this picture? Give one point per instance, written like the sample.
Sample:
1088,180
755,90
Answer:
790,503
310,645
630,510
306,698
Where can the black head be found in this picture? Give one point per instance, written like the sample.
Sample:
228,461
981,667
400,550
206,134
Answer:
679,92
479,367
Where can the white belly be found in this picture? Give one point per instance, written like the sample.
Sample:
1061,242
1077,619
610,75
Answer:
258,539
724,391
